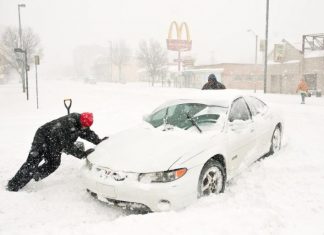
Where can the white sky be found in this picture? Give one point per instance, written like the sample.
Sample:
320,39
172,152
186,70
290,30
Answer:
215,25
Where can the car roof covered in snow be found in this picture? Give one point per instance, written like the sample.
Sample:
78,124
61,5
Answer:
222,98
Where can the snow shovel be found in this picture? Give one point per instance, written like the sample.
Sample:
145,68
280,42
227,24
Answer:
68,104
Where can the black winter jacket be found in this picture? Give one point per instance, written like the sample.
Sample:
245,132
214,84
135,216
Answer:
213,86
60,134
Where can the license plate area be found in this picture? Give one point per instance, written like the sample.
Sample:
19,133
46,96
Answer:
103,173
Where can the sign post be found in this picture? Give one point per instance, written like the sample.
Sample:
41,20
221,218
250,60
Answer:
36,63
19,50
179,44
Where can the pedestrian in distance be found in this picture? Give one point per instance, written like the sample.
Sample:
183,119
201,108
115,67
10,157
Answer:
302,88
49,142
213,84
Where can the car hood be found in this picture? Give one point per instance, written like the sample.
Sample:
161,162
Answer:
146,149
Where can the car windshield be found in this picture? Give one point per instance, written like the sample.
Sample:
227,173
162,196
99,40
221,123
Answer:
186,115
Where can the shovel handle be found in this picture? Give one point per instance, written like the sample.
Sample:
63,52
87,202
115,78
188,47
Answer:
68,104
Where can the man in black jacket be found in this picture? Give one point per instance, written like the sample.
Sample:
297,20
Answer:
50,141
213,84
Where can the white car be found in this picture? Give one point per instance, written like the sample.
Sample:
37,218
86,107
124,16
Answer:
183,150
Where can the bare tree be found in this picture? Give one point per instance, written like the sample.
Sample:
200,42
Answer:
4,66
10,40
153,58
120,56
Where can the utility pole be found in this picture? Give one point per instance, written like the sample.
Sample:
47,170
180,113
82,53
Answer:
21,46
266,50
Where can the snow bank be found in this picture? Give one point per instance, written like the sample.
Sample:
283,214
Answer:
282,194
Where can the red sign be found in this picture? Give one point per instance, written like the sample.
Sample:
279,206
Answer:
179,45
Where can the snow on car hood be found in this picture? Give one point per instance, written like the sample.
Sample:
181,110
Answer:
146,149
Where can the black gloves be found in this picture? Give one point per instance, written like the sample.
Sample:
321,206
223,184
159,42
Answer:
88,152
36,176
104,138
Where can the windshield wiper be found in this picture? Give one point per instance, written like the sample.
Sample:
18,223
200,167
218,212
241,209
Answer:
165,120
193,122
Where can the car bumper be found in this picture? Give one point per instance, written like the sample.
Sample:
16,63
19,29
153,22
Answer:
156,196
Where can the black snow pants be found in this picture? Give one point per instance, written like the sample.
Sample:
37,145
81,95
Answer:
40,163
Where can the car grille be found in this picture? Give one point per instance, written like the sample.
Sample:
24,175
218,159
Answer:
132,206
106,173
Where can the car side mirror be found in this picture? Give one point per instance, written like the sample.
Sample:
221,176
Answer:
236,124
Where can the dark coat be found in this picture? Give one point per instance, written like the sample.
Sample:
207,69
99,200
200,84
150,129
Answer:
60,134
213,85
49,142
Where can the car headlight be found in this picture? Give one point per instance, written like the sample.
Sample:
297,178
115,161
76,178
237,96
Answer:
162,177
89,164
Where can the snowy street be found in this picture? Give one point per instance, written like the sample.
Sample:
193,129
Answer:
282,194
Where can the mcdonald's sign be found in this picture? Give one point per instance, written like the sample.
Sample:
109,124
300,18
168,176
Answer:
179,44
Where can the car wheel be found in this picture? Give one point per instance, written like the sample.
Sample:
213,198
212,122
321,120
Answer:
276,141
211,179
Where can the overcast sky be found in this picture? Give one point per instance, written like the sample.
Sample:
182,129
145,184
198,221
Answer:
217,27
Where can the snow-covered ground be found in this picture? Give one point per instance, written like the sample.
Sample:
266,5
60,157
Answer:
283,194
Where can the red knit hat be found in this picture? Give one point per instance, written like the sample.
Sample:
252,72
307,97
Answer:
86,119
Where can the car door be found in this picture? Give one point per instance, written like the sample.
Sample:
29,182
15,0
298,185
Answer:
263,120
241,137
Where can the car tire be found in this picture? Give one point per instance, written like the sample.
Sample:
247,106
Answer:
212,179
276,140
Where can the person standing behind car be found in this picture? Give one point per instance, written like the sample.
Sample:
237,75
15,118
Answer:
302,88
49,142
213,84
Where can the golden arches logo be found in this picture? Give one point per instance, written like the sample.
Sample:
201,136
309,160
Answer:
179,44
179,30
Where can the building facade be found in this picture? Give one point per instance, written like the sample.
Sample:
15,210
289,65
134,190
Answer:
288,67
234,75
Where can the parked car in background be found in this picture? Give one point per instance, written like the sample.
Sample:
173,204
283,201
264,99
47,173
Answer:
184,149
90,80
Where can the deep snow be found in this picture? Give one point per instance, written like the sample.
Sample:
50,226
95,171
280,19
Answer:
283,194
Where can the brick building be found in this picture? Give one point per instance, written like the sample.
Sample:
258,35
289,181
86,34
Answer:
286,66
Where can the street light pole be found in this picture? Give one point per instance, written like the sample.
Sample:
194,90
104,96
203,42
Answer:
256,54
256,49
20,44
111,72
26,67
266,50
256,45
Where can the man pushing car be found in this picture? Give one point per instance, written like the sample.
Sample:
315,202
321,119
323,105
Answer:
49,142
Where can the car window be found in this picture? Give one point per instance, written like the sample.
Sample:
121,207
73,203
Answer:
156,119
256,106
177,115
239,111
